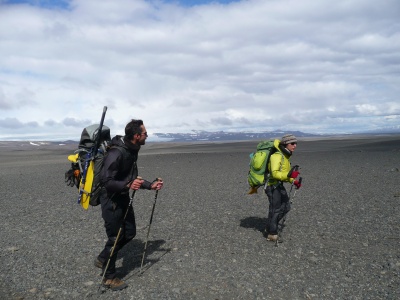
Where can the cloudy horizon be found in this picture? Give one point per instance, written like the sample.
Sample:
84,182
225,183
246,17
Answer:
251,65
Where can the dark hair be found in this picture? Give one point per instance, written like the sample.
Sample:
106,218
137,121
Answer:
132,128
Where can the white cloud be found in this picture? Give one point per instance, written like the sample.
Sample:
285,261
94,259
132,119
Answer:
315,66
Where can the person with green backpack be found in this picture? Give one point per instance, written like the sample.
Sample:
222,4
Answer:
280,171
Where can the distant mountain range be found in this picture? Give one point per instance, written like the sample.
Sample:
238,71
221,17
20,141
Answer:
199,135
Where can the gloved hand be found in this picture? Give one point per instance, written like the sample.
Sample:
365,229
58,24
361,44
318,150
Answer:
70,177
293,173
297,184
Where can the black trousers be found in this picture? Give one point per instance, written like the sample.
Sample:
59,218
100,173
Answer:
113,213
279,205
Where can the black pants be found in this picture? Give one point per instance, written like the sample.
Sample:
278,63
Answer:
113,213
279,205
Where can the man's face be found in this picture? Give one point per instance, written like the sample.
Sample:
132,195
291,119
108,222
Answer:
143,136
140,139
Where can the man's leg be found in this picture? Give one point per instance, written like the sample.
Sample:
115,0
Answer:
129,229
113,220
113,216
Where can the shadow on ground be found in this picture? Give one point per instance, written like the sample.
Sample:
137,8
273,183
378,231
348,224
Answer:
255,223
132,254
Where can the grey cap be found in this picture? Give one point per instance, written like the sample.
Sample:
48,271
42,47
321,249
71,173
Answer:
288,138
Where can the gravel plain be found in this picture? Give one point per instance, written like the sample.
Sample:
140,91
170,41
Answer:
341,240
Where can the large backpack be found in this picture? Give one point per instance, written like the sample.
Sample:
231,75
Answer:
86,164
258,172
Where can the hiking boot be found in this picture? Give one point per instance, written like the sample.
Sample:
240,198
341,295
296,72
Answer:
114,284
272,237
98,263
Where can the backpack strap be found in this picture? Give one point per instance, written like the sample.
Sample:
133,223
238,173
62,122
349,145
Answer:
269,172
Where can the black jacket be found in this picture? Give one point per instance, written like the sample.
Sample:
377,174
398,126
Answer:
120,167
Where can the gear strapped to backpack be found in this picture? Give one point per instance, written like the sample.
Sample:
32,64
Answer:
258,172
86,164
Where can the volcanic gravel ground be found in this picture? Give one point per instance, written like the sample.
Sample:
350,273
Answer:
341,239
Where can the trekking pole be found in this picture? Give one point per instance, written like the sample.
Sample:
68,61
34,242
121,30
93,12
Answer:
294,195
291,201
148,230
119,233
283,220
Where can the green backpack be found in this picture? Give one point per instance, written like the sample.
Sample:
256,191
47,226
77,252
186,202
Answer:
259,164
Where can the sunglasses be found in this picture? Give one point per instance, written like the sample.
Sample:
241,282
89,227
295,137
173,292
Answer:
294,143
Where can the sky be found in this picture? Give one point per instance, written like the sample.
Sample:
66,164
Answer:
323,67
